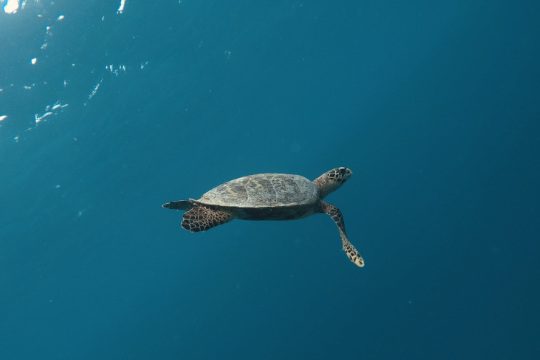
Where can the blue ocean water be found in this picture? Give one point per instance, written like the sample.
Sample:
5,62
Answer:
109,109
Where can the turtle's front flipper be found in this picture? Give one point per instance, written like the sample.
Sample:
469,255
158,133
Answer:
201,218
349,248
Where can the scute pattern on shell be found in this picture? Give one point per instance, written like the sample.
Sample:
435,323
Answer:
263,190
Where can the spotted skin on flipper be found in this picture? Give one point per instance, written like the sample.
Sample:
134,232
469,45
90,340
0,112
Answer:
349,248
202,218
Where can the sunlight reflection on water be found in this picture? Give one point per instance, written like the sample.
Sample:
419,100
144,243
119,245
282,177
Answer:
47,96
11,6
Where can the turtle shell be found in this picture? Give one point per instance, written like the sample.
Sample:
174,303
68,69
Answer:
263,191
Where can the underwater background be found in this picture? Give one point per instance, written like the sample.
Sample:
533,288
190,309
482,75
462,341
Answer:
110,108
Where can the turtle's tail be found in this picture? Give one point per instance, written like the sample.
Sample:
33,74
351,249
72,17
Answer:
179,205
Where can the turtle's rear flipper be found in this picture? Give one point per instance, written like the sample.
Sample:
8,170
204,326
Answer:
178,205
349,248
201,218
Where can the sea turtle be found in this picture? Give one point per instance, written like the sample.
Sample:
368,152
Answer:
268,197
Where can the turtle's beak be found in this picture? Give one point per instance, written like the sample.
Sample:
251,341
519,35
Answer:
345,172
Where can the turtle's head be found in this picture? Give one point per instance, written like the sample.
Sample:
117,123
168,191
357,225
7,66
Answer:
331,180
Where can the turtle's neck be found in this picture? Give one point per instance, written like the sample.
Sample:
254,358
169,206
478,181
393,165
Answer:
325,185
